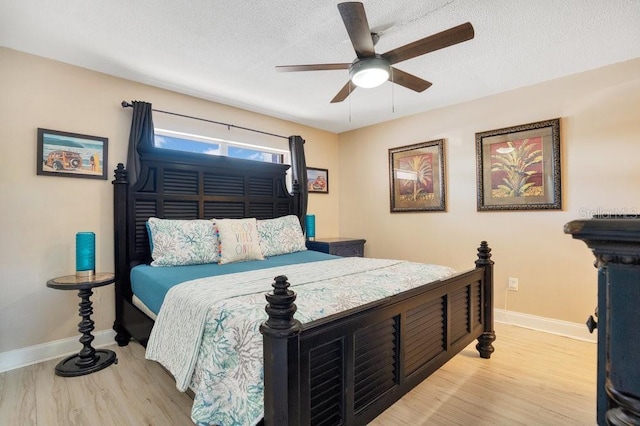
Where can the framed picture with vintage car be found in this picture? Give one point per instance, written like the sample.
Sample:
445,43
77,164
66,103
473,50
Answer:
71,155
318,180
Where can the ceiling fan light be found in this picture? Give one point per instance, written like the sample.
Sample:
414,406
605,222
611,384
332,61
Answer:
370,72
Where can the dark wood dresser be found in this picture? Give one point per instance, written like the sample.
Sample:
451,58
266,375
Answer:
346,247
615,243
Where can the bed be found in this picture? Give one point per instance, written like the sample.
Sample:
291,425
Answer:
323,371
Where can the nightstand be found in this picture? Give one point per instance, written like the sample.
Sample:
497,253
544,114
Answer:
88,360
346,247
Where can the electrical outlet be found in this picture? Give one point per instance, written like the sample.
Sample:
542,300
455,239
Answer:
513,284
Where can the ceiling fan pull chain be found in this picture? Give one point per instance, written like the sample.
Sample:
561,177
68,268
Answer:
393,98
349,103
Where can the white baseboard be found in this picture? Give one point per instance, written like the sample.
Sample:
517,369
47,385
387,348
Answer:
18,358
547,325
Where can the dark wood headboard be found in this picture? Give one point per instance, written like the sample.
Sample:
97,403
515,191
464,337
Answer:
182,185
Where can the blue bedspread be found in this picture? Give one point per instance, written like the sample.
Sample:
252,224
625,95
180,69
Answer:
151,283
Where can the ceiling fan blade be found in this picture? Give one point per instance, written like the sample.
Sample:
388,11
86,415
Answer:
434,42
312,67
344,92
409,81
355,20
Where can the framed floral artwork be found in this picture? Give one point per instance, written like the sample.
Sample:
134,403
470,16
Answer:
417,177
518,168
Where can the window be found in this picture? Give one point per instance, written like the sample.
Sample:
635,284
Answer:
167,139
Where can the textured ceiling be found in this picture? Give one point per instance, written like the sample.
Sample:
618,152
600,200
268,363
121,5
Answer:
226,50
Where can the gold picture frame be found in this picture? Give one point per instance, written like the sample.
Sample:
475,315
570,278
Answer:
417,177
518,168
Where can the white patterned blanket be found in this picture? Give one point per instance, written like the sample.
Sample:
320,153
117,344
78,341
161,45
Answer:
207,331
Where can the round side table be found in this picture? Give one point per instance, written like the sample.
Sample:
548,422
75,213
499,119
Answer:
88,360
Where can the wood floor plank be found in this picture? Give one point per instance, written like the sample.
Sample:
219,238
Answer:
17,397
532,378
52,396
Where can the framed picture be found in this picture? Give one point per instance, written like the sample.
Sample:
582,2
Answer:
416,177
518,167
318,180
71,155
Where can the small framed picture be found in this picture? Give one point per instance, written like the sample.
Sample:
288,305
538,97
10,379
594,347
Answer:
71,155
318,180
518,168
416,177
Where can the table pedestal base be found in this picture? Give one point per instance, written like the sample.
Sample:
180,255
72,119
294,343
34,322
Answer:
69,367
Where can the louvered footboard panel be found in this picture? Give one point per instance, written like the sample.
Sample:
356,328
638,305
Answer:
460,313
476,303
376,361
326,384
425,334
361,363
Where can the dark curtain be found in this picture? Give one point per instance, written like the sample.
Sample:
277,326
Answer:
141,136
299,174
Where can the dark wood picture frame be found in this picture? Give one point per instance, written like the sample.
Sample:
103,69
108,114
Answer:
71,155
417,177
518,168
318,180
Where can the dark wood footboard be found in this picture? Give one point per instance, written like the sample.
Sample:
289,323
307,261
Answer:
349,367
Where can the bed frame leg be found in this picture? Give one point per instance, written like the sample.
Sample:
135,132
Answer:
485,346
281,353
122,336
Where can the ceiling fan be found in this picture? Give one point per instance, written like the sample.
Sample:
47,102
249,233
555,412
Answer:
370,69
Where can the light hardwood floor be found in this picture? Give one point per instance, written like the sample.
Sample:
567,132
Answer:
533,378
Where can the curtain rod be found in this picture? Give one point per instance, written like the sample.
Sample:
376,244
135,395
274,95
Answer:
126,104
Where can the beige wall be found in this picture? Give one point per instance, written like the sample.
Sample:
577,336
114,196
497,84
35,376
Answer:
600,134
39,215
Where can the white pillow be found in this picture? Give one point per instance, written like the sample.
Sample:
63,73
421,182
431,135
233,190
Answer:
281,236
238,239
182,242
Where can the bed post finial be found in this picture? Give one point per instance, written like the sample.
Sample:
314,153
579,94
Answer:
484,254
120,174
484,346
280,309
281,354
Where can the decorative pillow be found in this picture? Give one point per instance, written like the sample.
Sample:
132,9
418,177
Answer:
182,242
238,239
281,236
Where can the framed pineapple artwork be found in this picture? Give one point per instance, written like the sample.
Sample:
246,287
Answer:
518,168
416,177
